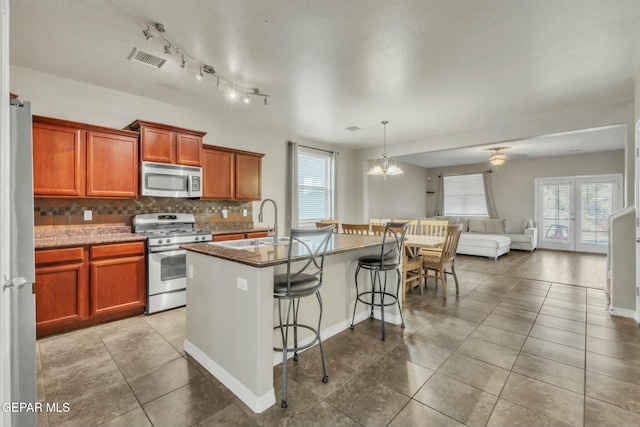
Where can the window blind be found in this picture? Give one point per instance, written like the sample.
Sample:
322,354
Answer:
464,195
315,186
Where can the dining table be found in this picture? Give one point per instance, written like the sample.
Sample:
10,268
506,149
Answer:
415,242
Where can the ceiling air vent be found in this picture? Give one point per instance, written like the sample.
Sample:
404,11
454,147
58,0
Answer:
146,58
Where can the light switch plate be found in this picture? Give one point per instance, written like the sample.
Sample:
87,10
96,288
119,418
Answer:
88,215
245,212
242,283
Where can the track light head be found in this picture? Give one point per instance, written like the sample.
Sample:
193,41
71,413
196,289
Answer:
265,101
183,64
167,49
247,100
200,76
233,93
147,33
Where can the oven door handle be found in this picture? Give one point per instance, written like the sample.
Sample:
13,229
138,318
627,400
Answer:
162,249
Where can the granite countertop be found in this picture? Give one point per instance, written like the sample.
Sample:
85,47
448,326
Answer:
267,256
80,236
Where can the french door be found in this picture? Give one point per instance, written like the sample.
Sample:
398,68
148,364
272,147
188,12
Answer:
573,212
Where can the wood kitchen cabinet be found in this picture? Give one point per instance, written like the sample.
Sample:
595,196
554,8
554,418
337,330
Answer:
168,144
73,159
86,285
231,174
60,288
117,277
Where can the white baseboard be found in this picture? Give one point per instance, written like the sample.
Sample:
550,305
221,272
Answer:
256,403
622,312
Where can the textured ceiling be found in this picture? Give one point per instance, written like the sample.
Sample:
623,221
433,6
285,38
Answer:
429,67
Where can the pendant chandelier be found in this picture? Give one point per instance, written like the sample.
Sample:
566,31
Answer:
385,165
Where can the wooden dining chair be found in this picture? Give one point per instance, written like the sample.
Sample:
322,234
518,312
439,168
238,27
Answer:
377,221
362,229
325,222
442,262
378,229
429,227
412,270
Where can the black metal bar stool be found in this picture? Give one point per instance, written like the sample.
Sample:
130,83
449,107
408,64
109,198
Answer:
305,263
389,259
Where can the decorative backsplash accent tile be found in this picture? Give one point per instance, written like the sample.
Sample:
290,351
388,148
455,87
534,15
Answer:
208,213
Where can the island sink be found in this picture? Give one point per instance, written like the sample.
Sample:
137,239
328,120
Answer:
251,243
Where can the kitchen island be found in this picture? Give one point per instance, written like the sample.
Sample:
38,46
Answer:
230,309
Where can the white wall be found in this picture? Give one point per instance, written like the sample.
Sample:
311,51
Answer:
68,99
401,196
513,182
585,117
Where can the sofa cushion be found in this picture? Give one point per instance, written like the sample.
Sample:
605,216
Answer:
494,226
477,225
483,241
464,221
515,225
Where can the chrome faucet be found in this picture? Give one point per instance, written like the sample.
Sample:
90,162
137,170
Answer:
275,225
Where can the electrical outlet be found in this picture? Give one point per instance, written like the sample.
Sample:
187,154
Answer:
225,213
88,215
245,212
242,283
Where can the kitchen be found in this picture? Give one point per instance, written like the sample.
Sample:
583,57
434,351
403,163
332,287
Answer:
55,93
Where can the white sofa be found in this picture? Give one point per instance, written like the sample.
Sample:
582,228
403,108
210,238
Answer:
495,237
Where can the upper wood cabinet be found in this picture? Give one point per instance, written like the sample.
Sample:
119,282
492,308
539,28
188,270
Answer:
231,174
73,159
168,144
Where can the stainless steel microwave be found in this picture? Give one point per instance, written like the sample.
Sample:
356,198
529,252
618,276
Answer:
169,180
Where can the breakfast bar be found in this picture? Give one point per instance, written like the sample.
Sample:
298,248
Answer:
230,307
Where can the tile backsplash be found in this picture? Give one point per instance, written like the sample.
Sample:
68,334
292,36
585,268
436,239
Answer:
55,212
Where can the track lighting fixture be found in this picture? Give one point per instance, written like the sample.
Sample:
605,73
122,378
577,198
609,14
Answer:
170,47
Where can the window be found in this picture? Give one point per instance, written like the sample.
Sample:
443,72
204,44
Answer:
464,195
315,186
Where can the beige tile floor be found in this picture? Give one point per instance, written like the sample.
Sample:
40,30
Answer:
523,344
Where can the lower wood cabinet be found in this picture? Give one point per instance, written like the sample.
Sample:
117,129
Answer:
82,286
61,288
117,278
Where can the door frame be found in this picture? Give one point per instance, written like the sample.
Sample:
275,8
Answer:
637,204
5,200
575,218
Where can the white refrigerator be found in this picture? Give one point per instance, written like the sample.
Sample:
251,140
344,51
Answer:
22,266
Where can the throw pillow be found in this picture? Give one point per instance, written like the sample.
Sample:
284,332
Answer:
465,223
477,225
515,225
495,226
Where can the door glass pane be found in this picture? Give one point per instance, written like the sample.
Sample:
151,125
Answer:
556,205
596,206
173,267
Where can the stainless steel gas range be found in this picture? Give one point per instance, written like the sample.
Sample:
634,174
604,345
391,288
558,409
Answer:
166,262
